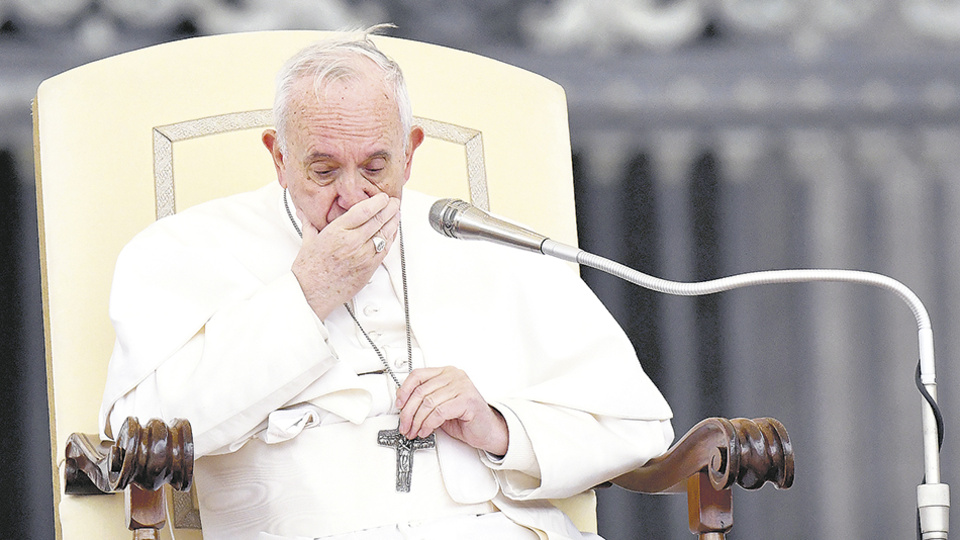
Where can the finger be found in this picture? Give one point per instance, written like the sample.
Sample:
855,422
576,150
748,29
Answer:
386,234
383,223
354,233
455,411
437,399
391,226
379,229
361,213
413,380
305,225
308,230
418,396
436,407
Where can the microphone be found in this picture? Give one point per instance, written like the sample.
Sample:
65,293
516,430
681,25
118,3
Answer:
455,218
458,219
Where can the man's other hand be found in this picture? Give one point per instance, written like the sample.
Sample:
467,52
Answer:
445,398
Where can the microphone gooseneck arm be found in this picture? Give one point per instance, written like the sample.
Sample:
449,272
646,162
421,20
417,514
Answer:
933,497
458,219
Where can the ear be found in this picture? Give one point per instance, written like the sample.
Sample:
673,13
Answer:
269,139
416,138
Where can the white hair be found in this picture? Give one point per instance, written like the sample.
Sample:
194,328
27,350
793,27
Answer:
334,60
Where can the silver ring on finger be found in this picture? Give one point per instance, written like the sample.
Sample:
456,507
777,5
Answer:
379,243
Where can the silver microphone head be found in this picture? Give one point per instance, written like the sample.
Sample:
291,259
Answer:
443,216
459,219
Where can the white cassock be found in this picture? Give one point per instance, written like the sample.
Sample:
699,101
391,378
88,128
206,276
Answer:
212,326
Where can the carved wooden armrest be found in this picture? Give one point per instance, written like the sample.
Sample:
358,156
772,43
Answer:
709,459
139,463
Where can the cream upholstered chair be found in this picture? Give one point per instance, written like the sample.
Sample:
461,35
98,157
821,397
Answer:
124,141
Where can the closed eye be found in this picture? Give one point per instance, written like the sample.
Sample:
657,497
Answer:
323,175
376,164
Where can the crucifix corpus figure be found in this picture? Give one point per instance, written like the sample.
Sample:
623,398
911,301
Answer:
405,448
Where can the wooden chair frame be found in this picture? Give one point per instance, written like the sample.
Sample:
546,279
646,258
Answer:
705,464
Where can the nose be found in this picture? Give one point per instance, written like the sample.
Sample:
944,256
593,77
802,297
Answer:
352,188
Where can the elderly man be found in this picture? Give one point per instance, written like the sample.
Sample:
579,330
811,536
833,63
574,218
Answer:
307,337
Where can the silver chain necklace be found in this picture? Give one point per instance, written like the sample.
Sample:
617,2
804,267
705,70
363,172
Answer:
390,437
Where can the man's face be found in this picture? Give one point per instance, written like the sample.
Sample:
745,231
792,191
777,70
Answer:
343,146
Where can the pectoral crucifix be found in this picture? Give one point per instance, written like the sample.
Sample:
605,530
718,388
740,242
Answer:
405,449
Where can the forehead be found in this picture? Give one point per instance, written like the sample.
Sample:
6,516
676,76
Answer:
363,92
347,115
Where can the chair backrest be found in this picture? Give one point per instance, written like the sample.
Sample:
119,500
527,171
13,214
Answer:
125,140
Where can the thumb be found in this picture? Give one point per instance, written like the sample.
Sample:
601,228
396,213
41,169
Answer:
306,227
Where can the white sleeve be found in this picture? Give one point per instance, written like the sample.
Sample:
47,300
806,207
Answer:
251,358
517,468
576,451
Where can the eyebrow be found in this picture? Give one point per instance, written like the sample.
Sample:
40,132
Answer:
381,154
316,156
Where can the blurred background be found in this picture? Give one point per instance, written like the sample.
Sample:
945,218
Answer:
710,137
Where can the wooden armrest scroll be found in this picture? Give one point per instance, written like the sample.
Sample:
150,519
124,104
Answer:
709,459
139,463
146,457
748,452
